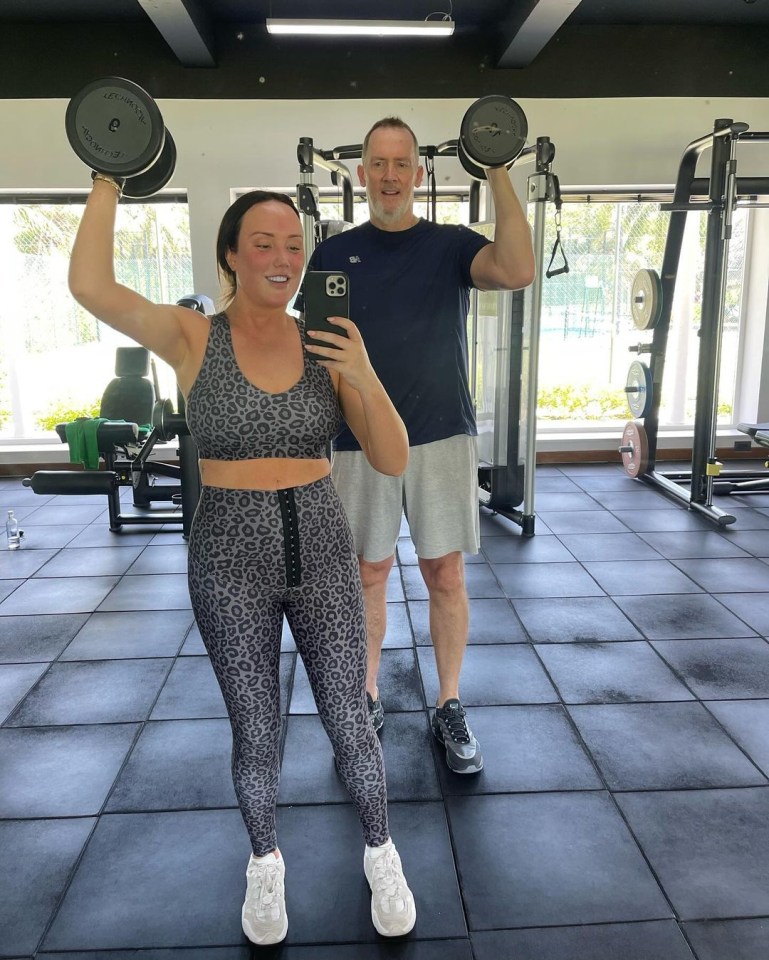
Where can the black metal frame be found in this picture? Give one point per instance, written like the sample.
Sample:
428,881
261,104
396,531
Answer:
502,488
723,188
122,468
513,484
139,471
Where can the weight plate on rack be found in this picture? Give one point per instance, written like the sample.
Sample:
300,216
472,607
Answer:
639,389
634,449
115,127
646,299
493,131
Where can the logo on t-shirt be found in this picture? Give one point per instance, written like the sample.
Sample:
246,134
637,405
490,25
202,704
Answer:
355,259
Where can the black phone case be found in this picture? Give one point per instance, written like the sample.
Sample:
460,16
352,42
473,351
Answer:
326,294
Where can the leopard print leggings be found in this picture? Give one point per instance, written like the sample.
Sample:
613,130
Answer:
255,555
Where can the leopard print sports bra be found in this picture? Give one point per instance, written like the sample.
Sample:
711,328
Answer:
231,419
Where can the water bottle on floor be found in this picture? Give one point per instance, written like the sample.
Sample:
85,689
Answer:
12,531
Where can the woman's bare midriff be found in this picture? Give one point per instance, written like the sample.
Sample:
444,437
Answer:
270,473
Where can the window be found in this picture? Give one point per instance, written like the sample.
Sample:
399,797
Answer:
55,358
586,321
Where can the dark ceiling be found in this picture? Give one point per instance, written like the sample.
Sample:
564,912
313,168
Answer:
515,30
220,49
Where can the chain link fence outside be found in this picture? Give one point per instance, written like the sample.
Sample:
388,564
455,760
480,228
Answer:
587,325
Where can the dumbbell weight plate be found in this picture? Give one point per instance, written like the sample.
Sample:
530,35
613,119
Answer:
639,389
167,423
155,177
476,172
493,131
646,299
115,127
161,410
634,449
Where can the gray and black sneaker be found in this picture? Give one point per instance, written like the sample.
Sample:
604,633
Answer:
449,725
375,712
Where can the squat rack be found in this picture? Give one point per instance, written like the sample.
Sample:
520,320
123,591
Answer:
723,189
505,485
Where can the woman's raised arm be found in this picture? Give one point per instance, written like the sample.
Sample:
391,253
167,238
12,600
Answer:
161,328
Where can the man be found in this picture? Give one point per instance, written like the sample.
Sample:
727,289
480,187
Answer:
409,294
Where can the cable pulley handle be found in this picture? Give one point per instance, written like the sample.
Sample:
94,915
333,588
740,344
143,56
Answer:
557,246
432,189
564,268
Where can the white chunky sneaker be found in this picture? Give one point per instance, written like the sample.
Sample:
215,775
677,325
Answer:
392,903
264,910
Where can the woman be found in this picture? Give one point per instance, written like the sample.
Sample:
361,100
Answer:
269,535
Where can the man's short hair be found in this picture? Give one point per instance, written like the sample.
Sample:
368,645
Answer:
394,123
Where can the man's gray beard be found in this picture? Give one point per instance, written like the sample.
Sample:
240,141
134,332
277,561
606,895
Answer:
389,216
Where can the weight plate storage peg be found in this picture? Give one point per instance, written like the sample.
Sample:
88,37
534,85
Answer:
634,449
493,131
639,389
115,127
646,299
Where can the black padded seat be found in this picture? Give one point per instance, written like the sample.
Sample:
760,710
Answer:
108,435
130,395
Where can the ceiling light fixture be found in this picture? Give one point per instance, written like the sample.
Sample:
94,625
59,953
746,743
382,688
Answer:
362,28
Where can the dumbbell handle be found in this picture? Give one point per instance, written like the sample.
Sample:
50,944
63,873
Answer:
628,449
635,389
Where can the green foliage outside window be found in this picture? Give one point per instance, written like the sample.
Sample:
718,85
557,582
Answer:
66,410
570,402
573,402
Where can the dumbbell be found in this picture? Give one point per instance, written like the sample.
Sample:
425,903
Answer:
116,128
492,134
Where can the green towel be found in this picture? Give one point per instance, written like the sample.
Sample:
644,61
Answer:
81,439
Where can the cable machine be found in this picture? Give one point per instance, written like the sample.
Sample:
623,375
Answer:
505,362
503,339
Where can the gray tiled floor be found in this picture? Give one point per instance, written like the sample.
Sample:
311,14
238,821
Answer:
617,677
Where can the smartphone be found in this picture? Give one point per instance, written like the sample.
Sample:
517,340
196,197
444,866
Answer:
326,294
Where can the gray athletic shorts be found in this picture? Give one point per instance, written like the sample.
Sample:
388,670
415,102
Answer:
438,493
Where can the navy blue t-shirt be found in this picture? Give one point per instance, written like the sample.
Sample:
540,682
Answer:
409,297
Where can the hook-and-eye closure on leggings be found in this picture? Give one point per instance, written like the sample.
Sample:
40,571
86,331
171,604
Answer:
290,536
